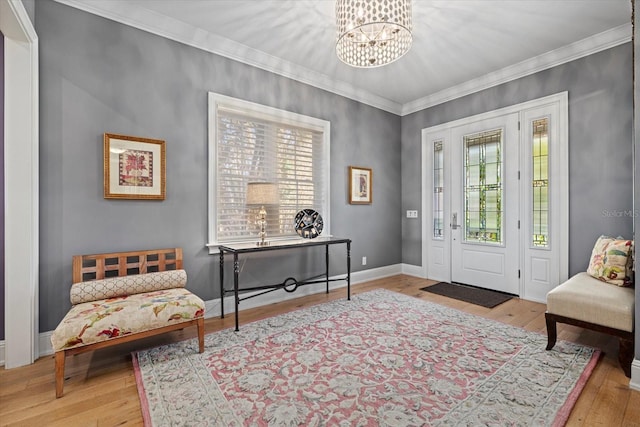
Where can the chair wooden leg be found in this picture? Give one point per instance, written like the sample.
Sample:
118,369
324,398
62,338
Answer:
201,334
552,333
59,358
625,355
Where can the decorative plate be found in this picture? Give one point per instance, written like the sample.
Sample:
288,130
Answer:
308,223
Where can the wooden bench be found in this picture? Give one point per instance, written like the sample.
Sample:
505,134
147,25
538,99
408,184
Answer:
589,303
124,296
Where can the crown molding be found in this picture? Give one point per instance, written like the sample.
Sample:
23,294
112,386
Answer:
164,26
585,47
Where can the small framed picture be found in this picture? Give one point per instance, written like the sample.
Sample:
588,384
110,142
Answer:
360,185
134,168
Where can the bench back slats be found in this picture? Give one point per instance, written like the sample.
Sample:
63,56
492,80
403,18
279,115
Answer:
117,264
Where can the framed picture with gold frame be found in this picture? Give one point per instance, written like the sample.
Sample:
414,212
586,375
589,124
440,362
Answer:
360,185
134,168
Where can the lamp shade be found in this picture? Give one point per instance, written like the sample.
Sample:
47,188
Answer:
262,193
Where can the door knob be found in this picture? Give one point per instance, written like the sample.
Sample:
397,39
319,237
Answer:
454,221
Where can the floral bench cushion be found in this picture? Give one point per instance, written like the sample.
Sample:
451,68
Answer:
101,320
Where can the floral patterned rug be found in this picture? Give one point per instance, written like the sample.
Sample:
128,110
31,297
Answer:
381,359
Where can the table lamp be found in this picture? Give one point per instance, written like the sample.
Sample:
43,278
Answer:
261,194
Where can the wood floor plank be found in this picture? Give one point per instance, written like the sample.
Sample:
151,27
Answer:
603,410
582,410
632,412
100,389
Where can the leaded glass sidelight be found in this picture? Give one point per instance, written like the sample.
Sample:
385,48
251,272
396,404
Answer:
438,193
483,187
540,183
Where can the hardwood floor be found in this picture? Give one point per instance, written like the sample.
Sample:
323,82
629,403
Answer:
100,389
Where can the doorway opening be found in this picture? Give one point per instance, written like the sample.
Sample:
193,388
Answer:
495,199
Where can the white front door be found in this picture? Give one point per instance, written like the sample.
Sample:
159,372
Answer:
507,186
485,204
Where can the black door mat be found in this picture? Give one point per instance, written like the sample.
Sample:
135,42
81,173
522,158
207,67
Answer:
474,295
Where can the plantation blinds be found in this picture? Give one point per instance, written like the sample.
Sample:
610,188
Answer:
266,145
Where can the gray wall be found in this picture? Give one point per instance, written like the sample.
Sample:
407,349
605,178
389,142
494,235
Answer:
600,146
1,186
99,76
30,7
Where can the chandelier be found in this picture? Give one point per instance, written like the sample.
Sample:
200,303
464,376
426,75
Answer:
372,33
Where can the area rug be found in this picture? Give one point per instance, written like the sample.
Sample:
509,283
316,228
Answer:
381,359
474,295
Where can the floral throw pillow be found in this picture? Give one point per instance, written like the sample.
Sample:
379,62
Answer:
611,261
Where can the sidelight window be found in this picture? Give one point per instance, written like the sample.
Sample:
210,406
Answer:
438,190
540,183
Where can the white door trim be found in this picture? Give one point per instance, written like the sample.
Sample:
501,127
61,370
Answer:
560,172
21,184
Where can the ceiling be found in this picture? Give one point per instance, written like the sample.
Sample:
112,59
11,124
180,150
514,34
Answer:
459,46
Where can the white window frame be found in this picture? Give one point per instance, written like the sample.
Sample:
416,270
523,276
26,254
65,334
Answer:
265,113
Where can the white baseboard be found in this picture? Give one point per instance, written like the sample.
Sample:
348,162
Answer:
375,273
413,270
212,307
635,375
44,343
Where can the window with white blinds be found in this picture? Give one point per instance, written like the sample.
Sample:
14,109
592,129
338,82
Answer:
253,143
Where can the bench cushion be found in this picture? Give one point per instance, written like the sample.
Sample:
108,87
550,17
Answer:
585,298
101,320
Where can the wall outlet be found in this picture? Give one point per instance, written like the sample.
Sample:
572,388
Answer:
412,214
364,260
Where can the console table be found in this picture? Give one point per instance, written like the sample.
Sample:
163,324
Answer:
290,284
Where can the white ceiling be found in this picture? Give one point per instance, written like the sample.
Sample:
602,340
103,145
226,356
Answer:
459,46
